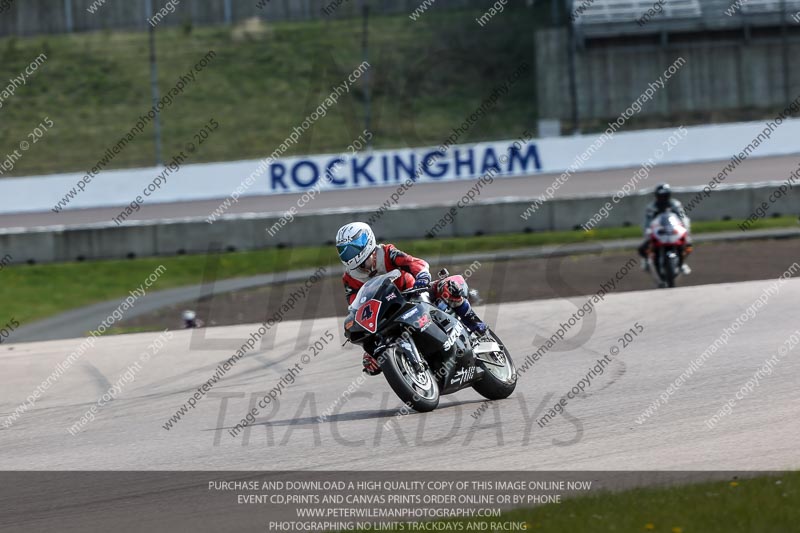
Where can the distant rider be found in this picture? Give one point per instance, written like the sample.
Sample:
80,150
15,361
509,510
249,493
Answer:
190,320
663,201
363,258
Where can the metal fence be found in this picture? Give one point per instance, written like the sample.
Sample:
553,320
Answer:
32,17
612,18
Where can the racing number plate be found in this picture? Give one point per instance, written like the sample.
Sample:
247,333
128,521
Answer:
367,315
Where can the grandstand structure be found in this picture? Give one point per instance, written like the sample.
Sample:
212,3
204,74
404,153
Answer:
737,61
607,18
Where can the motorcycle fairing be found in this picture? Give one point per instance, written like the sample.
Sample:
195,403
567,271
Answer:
367,315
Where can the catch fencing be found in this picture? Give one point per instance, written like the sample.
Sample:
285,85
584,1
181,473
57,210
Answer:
68,16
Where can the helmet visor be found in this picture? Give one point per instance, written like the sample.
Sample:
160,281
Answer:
348,251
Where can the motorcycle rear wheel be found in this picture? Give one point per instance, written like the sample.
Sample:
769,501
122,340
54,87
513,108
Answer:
418,390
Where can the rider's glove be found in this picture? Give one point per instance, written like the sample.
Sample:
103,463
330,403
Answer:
371,365
423,280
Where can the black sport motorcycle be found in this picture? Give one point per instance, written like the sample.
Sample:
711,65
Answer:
423,350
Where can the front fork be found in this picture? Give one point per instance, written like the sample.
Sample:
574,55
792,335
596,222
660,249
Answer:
410,351
656,269
652,258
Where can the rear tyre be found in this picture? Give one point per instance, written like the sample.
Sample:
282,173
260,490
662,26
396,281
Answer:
418,390
499,374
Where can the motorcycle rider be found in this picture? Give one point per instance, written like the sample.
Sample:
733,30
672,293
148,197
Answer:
363,258
663,201
190,319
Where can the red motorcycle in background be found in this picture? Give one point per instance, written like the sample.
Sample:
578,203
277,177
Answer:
668,239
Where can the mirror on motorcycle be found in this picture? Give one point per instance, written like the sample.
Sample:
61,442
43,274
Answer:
443,273
474,297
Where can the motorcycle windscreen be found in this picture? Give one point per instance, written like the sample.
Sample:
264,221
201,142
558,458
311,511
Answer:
372,286
668,228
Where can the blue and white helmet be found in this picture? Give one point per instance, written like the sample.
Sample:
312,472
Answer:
355,242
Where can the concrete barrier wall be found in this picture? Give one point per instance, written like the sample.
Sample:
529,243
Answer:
248,232
389,168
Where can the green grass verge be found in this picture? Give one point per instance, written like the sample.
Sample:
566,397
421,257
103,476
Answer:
758,505
262,83
39,291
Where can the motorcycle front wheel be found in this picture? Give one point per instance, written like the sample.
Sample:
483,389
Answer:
500,377
418,390
671,268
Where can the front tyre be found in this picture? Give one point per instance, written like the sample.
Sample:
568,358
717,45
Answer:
417,390
499,374
671,268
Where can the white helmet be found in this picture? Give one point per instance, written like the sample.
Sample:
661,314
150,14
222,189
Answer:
355,242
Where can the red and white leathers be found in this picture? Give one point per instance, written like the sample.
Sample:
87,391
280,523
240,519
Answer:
451,290
387,258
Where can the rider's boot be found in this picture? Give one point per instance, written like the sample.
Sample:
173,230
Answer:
469,318
685,270
643,254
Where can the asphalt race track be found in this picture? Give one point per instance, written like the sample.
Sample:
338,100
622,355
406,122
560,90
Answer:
598,430
607,181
